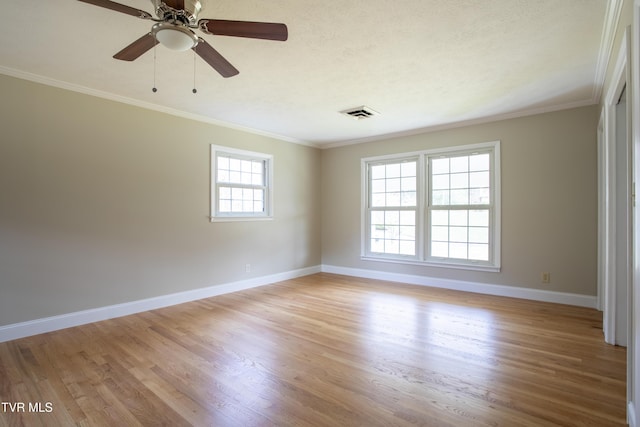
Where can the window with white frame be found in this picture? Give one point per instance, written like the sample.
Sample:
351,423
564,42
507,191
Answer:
393,206
435,207
241,184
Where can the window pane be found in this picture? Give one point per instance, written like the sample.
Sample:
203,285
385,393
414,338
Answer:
479,252
459,164
460,180
407,248
377,246
408,184
458,234
440,217
479,218
235,177
440,197
393,199
479,162
439,166
225,206
458,217
459,197
393,232
377,232
378,172
407,232
408,218
223,162
377,217
393,170
392,217
392,246
458,250
440,182
223,176
408,199
479,196
408,168
479,235
440,233
257,167
440,249
479,179
378,186
393,185
256,179
378,200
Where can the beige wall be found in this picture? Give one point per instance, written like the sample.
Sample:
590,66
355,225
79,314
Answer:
549,200
104,203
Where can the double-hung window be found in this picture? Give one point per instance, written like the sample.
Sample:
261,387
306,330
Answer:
435,207
241,184
393,206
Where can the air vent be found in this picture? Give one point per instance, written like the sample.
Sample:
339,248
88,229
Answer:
359,113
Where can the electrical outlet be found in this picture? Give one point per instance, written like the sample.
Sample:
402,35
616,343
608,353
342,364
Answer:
247,268
546,277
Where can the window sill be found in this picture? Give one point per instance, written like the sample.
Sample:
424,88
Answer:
239,218
450,265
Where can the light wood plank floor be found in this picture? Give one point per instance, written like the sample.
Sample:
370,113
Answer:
324,350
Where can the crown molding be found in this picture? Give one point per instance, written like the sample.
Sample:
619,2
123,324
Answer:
47,81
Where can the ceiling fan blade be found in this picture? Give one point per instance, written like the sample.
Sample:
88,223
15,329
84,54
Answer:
107,4
254,30
137,48
213,58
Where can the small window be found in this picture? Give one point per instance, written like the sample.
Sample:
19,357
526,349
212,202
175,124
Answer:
241,184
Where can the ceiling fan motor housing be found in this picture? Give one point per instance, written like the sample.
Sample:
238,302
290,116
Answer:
182,11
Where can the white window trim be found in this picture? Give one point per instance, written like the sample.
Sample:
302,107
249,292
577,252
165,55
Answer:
234,217
421,253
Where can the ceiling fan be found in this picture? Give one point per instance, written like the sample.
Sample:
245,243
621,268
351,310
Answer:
173,29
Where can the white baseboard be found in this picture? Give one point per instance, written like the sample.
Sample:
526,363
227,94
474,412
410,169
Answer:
48,324
459,285
631,414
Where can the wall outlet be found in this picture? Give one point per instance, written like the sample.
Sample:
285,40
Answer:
546,277
247,268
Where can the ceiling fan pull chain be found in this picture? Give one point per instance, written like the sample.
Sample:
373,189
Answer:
154,90
194,72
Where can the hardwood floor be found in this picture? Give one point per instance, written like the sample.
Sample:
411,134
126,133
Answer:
323,350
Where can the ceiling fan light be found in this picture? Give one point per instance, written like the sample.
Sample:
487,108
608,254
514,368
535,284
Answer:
174,37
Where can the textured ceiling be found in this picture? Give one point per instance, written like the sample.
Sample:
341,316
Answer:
419,63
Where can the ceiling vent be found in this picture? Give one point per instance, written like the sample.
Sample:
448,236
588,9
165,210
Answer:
359,113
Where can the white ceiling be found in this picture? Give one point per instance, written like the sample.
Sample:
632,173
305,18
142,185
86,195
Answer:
421,64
